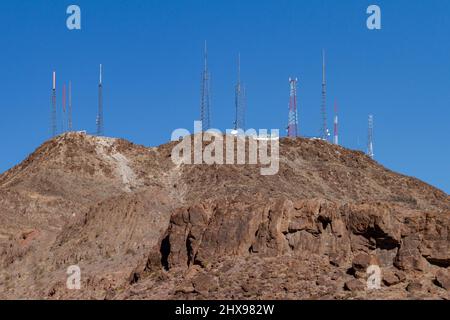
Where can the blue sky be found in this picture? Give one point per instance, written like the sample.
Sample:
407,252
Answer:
152,57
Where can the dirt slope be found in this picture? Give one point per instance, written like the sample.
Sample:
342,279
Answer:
141,227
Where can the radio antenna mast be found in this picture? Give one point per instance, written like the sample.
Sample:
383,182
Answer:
205,97
69,124
370,152
100,104
293,117
53,114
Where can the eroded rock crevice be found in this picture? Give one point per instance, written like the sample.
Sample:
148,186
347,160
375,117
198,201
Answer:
165,252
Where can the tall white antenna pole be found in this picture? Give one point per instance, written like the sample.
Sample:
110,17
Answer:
324,130
100,82
53,115
239,122
100,104
370,152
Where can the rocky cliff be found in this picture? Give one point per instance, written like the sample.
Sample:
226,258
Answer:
141,227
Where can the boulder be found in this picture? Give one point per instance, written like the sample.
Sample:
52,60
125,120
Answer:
443,279
361,262
414,287
354,285
390,278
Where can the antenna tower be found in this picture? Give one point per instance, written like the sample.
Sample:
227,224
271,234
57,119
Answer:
293,117
100,105
69,122
205,98
370,152
324,129
53,116
63,107
239,100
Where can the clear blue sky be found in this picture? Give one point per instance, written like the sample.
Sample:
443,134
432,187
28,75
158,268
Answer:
152,56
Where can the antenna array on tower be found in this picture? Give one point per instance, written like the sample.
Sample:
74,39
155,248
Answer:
205,97
239,101
293,116
324,129
53,115
370,152
100,105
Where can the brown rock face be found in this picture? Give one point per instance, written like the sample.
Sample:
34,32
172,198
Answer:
355,285
140,227
361,262
414,287
392,278
443,279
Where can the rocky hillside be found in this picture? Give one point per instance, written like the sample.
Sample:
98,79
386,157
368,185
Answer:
141,227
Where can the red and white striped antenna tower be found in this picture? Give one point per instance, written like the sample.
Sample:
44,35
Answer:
63,106
69,122
293,117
